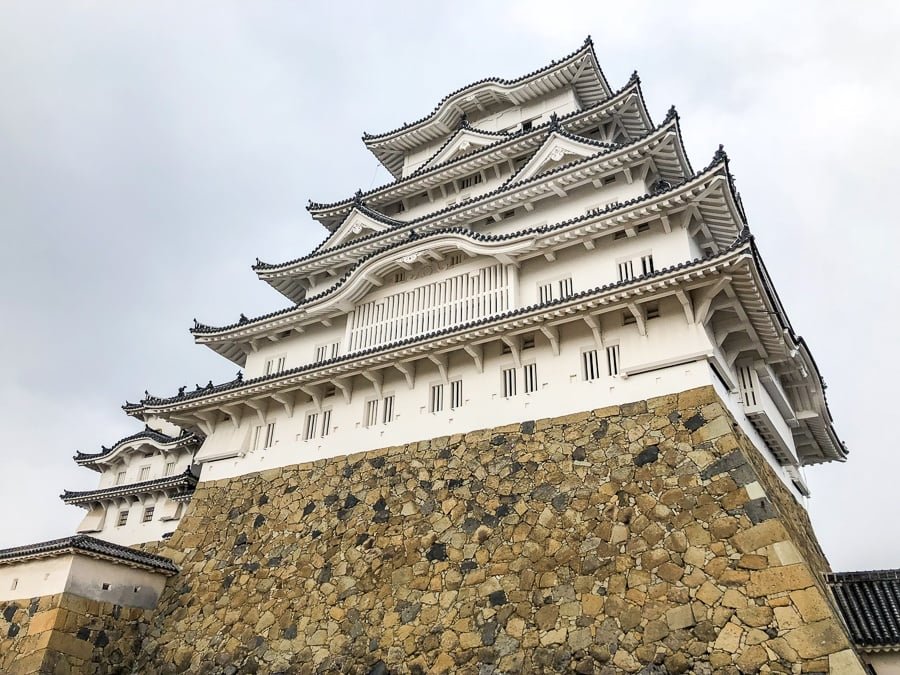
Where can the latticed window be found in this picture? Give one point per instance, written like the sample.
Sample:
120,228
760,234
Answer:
529,373
647,264
626,270
309,429
123,518
509,382
590,365
456,394
388,414
545,293
565,287
326,422
612,359
148,514
371,415
436,398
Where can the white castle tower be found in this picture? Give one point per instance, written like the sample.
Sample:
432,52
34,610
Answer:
544,249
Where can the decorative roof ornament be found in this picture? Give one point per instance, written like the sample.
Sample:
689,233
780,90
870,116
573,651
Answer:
463,122
243,318
181,391
588,42
357,197
240,377
671,114
634,77
554,122
721,155
660,186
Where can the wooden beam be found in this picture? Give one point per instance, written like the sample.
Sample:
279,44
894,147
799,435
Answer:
588,244
667,226
315,393
628,177
528,206
550,255
477,354
515,347
593,322
686,305
346,387
287,400
408,369
638,312
441,361
260,409
376,377
207,421
701,312
552,334
558,190
234,413
725,328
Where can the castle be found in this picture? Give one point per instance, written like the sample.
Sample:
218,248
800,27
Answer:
532,406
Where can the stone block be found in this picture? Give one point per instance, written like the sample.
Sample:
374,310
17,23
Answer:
759,536
817,639
778,580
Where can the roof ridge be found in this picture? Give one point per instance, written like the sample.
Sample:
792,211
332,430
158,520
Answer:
311,205
586,47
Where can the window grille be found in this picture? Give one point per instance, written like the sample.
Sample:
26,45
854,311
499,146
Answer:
509,382
456,399
436,398
335,349
612,359
530,376
626,271
275,365
371,418
309,430
545,292
145,473
454,259
399,276
748,392
170,468
590,365
264,440
461,298
388,415
647,264
326,422
565,287
123,518
148,514
321,353
120,478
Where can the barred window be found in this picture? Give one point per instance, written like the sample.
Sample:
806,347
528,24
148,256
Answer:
590,365
436,398
612,359
530,376
509,382
456,396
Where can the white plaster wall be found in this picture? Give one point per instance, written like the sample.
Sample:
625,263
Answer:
128,586
887,663
33,578
562,391
82,576
588,269
135,531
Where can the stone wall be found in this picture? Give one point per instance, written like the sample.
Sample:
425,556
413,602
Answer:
62,634
645,537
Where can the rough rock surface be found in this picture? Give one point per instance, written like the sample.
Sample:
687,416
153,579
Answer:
615,540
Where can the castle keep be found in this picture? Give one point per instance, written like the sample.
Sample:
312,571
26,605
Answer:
532,406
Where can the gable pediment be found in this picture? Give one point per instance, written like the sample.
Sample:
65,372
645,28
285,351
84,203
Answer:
357,224
462,143
557,149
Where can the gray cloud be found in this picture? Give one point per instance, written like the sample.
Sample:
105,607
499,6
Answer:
148,153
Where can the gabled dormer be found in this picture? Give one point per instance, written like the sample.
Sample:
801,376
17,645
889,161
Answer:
559,148
360,222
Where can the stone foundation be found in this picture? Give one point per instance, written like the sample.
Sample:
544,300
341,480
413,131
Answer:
645,537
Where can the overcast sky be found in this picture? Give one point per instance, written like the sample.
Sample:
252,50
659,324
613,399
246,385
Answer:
150,151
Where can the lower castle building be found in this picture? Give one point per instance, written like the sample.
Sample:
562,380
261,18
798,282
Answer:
533,406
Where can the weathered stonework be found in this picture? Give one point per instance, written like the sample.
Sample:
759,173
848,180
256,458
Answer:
648,537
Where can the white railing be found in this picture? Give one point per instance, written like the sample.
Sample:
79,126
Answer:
440,304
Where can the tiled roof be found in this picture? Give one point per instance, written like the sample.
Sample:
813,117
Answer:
148,434
588,45
503,137
82,543
719,157
870,604
186,480
742,239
